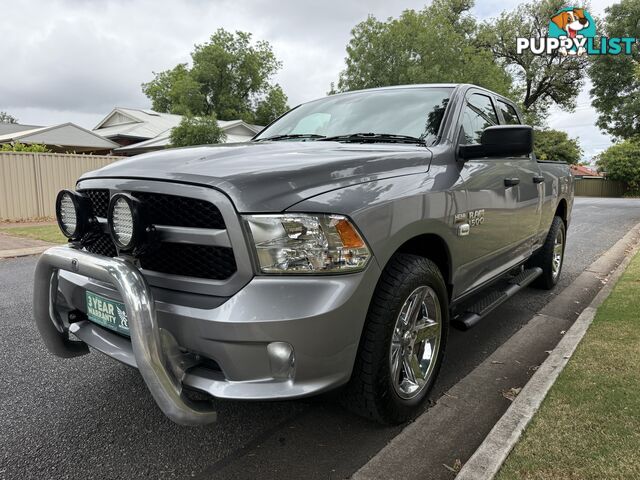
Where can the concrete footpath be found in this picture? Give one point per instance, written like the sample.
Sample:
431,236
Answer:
469,410
11,247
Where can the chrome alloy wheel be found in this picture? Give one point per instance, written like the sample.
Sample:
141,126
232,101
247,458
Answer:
415,342
558,252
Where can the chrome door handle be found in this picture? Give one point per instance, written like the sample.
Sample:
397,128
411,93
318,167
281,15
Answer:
511,182
538,179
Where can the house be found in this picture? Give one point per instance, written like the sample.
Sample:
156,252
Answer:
139,131
63,138
581,171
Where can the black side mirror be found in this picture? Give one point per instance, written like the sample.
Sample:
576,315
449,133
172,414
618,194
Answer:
500,141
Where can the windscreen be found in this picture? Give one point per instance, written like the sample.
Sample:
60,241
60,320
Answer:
415,112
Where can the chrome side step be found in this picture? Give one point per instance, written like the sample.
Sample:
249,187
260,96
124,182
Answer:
494,298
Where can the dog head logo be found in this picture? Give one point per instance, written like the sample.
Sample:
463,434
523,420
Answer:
572,23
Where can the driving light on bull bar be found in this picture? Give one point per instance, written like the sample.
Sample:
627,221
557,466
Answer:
73,213
307,244
125,224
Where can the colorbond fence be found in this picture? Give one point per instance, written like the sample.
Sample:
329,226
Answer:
29,182
599,187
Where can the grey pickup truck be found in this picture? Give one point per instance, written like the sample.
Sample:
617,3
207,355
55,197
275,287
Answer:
335,249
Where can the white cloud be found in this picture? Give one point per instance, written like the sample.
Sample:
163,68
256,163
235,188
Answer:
74,60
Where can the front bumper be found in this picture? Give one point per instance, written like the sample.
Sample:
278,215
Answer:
320,318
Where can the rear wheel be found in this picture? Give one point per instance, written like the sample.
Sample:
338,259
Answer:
403,341
551,256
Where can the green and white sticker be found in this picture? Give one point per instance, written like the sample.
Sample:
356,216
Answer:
107,313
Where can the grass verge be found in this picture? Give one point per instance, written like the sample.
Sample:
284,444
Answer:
588,427
47,233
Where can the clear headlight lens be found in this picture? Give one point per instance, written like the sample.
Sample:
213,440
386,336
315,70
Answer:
303,243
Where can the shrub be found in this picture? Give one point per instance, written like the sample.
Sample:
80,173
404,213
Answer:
23,147
621,161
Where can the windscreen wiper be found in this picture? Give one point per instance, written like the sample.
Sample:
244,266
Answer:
290,136
374,137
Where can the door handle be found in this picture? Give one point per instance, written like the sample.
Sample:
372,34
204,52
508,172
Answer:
511,182
538,179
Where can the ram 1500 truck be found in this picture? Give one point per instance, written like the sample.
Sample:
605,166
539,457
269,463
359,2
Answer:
334,249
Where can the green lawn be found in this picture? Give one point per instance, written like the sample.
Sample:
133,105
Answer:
588,427
47,233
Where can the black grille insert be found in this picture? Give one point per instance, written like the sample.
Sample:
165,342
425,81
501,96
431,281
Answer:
176,211
200,261
103,245
99,201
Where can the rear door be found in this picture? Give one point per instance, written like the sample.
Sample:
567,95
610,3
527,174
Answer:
492,200
529,191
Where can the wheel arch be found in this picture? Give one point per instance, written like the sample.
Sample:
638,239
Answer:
562,210
433,247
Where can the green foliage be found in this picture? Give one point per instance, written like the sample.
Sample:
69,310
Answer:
621,161
6,118
197,131
540,80
435,44
23,147
616,78
556,145
272,106
229,77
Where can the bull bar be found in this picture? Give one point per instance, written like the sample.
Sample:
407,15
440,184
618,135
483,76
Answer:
160,370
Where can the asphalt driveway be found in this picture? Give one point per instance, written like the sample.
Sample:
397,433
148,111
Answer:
92,417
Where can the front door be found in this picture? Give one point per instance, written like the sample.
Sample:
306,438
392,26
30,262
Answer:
491,200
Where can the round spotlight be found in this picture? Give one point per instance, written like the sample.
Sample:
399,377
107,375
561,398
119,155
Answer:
125,223
73,212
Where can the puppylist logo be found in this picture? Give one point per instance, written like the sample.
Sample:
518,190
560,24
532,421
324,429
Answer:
572,31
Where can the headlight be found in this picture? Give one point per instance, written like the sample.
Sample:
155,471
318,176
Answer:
302,243
125,224
73,212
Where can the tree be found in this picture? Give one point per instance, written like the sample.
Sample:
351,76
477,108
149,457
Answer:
556,145
272,106
621,161
197,131
435,44
616,78
540,80
6,118
229,77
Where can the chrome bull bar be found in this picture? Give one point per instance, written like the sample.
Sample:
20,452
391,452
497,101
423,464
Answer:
159,370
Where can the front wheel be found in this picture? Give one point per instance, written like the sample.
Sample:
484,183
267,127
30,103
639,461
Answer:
551,256
403,341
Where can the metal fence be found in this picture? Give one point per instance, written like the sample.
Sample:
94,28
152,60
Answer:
599,187
29,182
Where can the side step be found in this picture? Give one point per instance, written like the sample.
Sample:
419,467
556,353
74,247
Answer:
477,311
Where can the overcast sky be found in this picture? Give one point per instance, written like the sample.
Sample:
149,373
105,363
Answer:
75,60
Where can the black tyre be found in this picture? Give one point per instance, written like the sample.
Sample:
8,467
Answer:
403,341
551,256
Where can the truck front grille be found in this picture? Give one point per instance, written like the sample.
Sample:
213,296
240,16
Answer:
99,201
185,259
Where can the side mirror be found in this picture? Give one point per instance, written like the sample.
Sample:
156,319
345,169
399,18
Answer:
500,141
